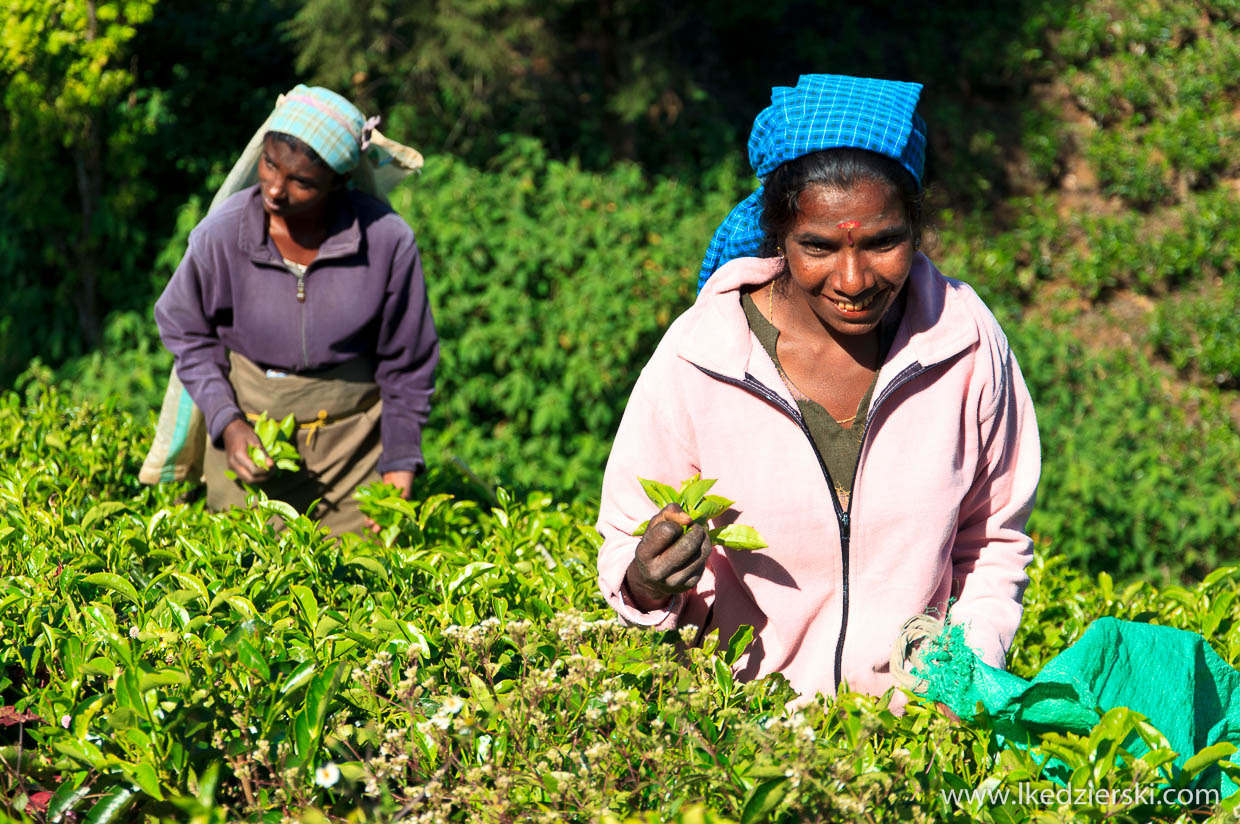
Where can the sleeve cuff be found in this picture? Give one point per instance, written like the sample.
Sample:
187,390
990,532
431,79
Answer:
660,619
219,421
401,463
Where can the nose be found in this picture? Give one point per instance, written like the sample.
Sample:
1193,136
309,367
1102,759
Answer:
852,276
275,186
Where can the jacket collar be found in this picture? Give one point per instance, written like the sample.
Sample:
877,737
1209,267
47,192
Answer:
936,325
344,237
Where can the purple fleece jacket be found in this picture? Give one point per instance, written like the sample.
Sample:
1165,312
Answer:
364,297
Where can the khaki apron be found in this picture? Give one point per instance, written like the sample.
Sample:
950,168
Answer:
337,410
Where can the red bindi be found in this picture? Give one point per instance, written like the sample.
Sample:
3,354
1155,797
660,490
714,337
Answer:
848,226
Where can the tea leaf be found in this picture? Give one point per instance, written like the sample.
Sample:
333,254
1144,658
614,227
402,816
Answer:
102,510
1207,757
112,805
710,507
660,493
738,536
763,800
116,583
252,658
738,643
692,490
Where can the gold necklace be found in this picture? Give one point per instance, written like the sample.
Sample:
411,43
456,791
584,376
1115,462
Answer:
770,313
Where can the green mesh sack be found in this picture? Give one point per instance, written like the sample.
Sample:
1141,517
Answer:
1170,676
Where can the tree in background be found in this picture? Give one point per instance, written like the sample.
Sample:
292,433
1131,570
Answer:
115,113
68,175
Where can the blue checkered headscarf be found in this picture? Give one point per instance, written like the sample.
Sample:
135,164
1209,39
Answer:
325,122
823,111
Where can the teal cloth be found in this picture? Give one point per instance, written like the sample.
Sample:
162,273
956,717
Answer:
1171,676
324,121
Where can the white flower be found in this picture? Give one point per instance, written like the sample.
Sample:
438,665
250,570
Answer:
327,775
133,632
65,721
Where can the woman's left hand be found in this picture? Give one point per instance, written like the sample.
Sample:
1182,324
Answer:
401,479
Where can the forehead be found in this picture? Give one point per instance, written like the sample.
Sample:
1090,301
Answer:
293,161
869,202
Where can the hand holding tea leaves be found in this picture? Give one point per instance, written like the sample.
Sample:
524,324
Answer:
675,543
255,450
700,507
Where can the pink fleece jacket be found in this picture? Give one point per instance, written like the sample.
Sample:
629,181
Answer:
947,475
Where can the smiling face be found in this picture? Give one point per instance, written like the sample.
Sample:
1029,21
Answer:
292,184
849,254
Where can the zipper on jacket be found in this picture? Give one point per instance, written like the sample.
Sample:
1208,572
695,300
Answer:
301,311
843,516
305,355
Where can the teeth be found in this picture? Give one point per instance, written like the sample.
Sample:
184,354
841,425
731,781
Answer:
854,307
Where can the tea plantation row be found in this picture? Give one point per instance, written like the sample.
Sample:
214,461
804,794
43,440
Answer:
159,661
551,286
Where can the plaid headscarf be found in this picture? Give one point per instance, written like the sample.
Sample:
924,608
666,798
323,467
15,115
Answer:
325,122
823,111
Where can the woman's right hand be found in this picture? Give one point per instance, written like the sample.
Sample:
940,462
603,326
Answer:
238,437
669,559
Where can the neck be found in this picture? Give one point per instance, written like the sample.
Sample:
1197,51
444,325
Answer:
307,230
802,328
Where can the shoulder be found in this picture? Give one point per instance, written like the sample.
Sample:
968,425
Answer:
223,223
991,356
951,308
971,305
711,334
378,220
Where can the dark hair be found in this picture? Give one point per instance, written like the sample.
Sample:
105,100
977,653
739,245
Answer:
838,168
299,145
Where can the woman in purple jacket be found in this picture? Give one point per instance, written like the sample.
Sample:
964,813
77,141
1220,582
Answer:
302,295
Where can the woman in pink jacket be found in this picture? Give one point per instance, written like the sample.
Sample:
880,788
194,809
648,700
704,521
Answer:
863,411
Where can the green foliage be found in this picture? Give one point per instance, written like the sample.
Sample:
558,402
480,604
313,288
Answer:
455,61
550,287
115,113
70,182
1133,482
179,665
1200,334
131,366
551,283
1095,253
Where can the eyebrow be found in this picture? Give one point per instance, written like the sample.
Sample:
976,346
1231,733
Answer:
888,235
298,178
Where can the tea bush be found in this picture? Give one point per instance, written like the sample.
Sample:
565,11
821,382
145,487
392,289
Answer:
1135,480
1144,93
162,663
1200,334
551,286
